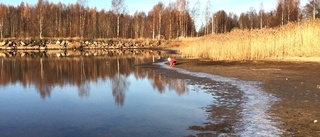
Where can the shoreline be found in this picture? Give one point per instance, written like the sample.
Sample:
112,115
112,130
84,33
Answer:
254,106
295,83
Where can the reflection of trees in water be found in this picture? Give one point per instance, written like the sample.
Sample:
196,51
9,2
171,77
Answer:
119,86
160,82
46,73
84,90
49,72
178,85
44,90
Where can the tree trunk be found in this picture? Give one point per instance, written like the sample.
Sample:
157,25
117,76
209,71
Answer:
314,9
40,26
118,25
212,22
1,29
170,26
153,26
261,20
288,8
282,13
159,33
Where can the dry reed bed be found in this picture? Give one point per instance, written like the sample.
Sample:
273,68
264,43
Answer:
292,40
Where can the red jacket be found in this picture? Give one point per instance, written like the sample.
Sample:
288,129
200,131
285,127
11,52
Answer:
172,61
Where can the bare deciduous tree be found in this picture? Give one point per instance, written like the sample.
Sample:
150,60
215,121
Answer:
3,16
312,9
40,17
208,15
118,7
82,18
195,13
46,20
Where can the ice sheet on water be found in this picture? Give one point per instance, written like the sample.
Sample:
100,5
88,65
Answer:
256,104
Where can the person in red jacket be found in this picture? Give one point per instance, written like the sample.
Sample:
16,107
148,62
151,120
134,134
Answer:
172,61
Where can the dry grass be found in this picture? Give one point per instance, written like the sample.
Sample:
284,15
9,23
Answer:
292,40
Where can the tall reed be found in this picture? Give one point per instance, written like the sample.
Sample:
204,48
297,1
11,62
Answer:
292,40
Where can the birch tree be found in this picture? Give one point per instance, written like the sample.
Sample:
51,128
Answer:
82,18
182,6
3,14
315,5
157,19
208,16
118,7
312,9
40,17
195,13
261,15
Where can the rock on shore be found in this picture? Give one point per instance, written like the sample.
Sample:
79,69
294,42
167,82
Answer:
77,44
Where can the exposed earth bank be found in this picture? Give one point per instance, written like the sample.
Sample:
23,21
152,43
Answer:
297,84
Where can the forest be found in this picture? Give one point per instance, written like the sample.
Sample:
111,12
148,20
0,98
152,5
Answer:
175,20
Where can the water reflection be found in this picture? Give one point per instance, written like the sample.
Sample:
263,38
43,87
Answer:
119,86
148,107
79,71
80,95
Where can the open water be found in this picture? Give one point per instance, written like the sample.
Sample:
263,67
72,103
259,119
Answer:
114,95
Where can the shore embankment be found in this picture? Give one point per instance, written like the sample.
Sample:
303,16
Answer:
76,44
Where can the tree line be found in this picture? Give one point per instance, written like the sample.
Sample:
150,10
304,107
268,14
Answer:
177,19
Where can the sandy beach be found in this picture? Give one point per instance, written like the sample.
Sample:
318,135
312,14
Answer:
296,83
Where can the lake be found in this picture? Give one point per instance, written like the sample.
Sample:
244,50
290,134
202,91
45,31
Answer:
124,93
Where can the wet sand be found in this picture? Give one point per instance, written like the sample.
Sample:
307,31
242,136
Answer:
296,84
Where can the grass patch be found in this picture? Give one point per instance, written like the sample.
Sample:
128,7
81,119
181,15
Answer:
292,40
